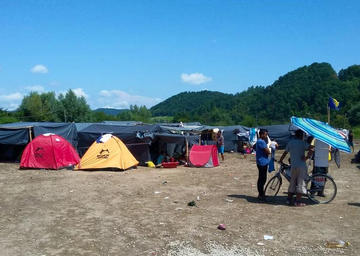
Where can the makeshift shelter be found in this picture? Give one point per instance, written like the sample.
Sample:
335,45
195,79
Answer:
66,130
12,143
14,136
172,145
204,156
108,151
281,133
233,136
49,151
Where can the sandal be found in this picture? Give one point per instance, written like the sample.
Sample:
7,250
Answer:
300,204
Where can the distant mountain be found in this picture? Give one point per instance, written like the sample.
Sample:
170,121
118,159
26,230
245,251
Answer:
110,111
189,101
302,92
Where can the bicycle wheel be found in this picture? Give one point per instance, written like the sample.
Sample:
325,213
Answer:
273,187
321,188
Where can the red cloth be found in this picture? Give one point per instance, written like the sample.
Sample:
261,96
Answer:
202,155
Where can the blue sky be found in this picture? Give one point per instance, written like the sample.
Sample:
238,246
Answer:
117,53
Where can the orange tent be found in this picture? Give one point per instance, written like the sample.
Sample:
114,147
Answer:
108,151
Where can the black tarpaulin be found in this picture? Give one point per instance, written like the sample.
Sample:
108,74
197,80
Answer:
281,133
66,130
233,135
14,136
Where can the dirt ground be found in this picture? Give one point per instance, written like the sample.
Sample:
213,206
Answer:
145,212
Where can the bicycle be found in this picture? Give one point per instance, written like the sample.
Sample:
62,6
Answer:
321,188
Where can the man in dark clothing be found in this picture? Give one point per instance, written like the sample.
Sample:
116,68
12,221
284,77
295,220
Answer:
262,162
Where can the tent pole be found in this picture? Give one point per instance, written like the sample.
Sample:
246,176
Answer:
187,150
30,135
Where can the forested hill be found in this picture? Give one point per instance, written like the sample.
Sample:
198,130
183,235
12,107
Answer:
110,111
189,101
302,92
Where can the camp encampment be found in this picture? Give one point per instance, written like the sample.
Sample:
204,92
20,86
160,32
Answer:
204,156
108,151
49,151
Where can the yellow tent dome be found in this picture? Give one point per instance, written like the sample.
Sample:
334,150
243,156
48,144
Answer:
108,151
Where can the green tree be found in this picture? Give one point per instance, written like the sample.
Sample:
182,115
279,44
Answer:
74,108
350,73
354,114
31,108
6,117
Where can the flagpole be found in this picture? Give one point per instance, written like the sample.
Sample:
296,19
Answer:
328,111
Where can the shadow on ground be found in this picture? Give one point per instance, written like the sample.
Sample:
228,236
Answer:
354,204
277,200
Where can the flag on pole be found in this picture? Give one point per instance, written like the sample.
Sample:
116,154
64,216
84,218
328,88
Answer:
333,104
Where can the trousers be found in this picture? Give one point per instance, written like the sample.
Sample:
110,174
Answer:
262,179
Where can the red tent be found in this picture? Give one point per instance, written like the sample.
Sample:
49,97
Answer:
49,151
204,156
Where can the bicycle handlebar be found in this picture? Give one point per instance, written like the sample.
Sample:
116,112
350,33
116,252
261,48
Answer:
285,165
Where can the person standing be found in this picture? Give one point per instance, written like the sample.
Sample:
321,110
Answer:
351,143
297,148
220,144
262,162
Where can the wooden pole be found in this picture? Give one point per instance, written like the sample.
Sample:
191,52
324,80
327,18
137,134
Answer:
30,135
187,150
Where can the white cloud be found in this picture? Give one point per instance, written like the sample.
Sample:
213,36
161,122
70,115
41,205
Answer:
35,88
10,101
12,96
195,78
39,69
121,99
80,93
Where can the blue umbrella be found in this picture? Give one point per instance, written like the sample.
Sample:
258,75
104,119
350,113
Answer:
322,131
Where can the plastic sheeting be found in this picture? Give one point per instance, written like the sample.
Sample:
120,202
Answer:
14,136
233,135
280,133
66,130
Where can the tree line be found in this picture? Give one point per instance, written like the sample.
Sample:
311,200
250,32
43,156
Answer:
47,107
